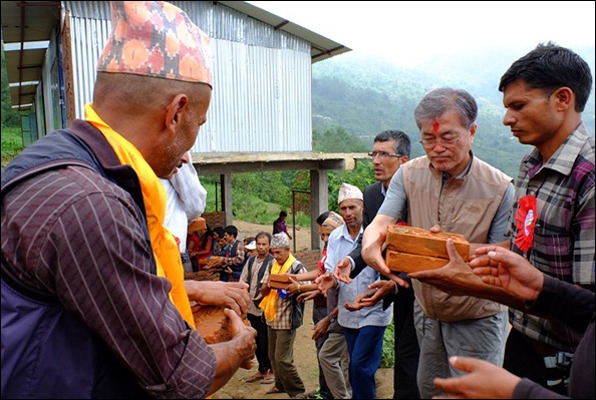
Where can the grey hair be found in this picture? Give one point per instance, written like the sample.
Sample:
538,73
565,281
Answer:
438,101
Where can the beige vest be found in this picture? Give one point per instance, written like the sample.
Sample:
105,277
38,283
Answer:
464,205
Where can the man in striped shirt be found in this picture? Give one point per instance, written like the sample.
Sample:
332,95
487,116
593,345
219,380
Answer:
93,298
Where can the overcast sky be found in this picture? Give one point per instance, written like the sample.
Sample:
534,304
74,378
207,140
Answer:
408,33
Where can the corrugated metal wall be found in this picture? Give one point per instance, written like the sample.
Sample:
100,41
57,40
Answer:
262,78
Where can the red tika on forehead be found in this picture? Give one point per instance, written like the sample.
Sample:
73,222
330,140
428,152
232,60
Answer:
435,126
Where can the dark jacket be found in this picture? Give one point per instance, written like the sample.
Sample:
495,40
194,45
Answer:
575,307
47,351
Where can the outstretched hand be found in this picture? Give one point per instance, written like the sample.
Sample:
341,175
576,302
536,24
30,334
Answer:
306,296
342,270
326,282
503,268
375,293
484,381
456,277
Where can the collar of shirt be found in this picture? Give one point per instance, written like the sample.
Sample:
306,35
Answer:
564,158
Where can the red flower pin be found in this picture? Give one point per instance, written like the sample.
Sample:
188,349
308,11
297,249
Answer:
525,219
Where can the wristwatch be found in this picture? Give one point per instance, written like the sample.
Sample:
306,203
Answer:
331,319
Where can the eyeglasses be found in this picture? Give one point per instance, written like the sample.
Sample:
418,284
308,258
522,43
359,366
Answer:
431,142
383,155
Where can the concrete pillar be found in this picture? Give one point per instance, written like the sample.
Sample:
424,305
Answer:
226,197
319,203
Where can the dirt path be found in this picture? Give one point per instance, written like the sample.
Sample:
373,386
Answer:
304,347
306,362
247,229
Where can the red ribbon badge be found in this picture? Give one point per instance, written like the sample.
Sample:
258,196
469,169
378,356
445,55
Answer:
525,220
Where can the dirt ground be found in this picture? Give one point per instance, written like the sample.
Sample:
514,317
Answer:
304,347
305,360
247,229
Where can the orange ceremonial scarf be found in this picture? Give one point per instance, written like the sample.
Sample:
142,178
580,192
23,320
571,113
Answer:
269,302
165,249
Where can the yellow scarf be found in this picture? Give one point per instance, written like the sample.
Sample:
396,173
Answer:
269,302
165,249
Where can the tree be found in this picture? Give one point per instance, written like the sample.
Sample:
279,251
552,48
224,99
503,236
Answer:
9,116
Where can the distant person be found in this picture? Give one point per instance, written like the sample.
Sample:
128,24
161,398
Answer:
311,292
252,274
391,149
363,329
451,188
250,248
233,256
279,225
284,315
94,302
199,245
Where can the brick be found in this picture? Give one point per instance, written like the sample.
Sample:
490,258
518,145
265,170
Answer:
279,281
403,262
412,240
212,324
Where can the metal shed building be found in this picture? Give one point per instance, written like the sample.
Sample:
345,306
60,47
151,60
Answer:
261,113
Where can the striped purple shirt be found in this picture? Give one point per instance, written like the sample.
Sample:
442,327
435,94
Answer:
563,244
74,234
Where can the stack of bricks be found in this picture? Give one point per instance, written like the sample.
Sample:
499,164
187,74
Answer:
411,249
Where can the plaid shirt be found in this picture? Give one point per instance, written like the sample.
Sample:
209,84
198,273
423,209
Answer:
563,245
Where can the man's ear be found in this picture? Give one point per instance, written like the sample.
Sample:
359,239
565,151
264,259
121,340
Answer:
564,97
173,109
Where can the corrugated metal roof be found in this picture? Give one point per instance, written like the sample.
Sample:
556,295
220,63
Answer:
26,21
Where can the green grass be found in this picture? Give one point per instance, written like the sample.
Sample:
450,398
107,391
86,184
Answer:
388,354
12,144
251,208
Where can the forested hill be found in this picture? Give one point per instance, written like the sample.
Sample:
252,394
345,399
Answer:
361,96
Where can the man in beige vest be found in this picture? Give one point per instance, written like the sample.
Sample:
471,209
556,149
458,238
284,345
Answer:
450,188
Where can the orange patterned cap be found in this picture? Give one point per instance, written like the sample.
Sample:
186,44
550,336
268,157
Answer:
155,38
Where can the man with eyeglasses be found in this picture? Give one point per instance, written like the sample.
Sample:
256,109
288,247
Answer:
391,149
452,189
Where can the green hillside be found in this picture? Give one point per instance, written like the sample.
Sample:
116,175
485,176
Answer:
365,96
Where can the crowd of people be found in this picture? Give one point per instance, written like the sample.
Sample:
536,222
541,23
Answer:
94,300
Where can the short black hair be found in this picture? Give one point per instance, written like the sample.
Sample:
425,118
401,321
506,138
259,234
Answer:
264,234
283,214
231,230
401,139
550,67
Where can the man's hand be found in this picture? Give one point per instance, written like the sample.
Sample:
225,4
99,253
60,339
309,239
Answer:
246,334
326,282
235,353
342,270
306,296
373,240
294,287
376,291
456,277
229,294
320,328
503,268
484,381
